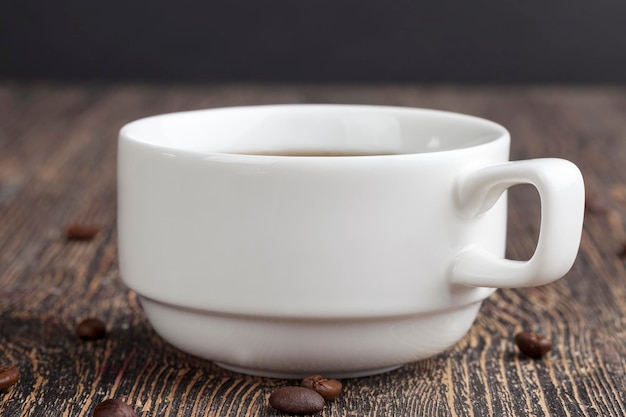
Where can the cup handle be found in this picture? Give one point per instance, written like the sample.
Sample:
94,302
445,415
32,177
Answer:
561,190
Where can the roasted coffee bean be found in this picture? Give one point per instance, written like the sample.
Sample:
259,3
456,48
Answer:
91,329
595,204
622,251
327,388
81,232
113,408
532,344
297,400
9,375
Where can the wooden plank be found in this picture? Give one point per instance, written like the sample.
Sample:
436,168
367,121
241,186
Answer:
57,166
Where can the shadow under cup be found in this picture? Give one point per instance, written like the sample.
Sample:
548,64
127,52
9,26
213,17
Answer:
298,239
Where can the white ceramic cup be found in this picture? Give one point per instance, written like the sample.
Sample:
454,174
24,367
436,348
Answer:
285,266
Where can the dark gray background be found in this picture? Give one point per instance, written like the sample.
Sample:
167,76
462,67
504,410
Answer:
499,41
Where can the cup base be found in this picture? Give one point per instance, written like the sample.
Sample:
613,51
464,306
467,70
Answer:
280,347
300,375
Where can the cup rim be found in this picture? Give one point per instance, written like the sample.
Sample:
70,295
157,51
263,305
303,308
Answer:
134,131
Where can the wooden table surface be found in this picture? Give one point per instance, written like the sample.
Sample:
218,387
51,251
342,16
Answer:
57,166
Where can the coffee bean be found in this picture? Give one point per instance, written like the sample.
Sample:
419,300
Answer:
9,375
327,388
113,408
297,400
595,204
532,344
91,329
81,232
622,251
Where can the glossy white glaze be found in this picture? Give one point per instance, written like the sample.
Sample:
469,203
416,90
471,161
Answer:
224,243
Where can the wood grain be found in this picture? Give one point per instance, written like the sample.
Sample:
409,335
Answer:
57,166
